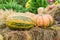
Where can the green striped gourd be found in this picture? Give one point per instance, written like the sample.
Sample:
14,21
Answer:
19,21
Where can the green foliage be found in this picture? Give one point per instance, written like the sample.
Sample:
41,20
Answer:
58,1
35,4
19,5
14,6
5,1
21,2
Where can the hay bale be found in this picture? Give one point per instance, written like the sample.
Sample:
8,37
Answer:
37,33
33,34
2,20
55,12
3,16
43,34
16,35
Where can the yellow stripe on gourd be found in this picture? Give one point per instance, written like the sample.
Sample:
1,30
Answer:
19,21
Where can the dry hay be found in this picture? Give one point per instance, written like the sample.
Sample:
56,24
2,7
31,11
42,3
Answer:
3,15
33,34
55,12
15,35
43,34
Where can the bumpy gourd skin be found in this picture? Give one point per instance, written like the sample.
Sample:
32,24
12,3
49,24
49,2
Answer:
20,22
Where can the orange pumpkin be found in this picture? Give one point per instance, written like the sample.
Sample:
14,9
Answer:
44,20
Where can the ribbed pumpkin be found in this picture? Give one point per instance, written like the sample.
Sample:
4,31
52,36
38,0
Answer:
44,20
19,21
